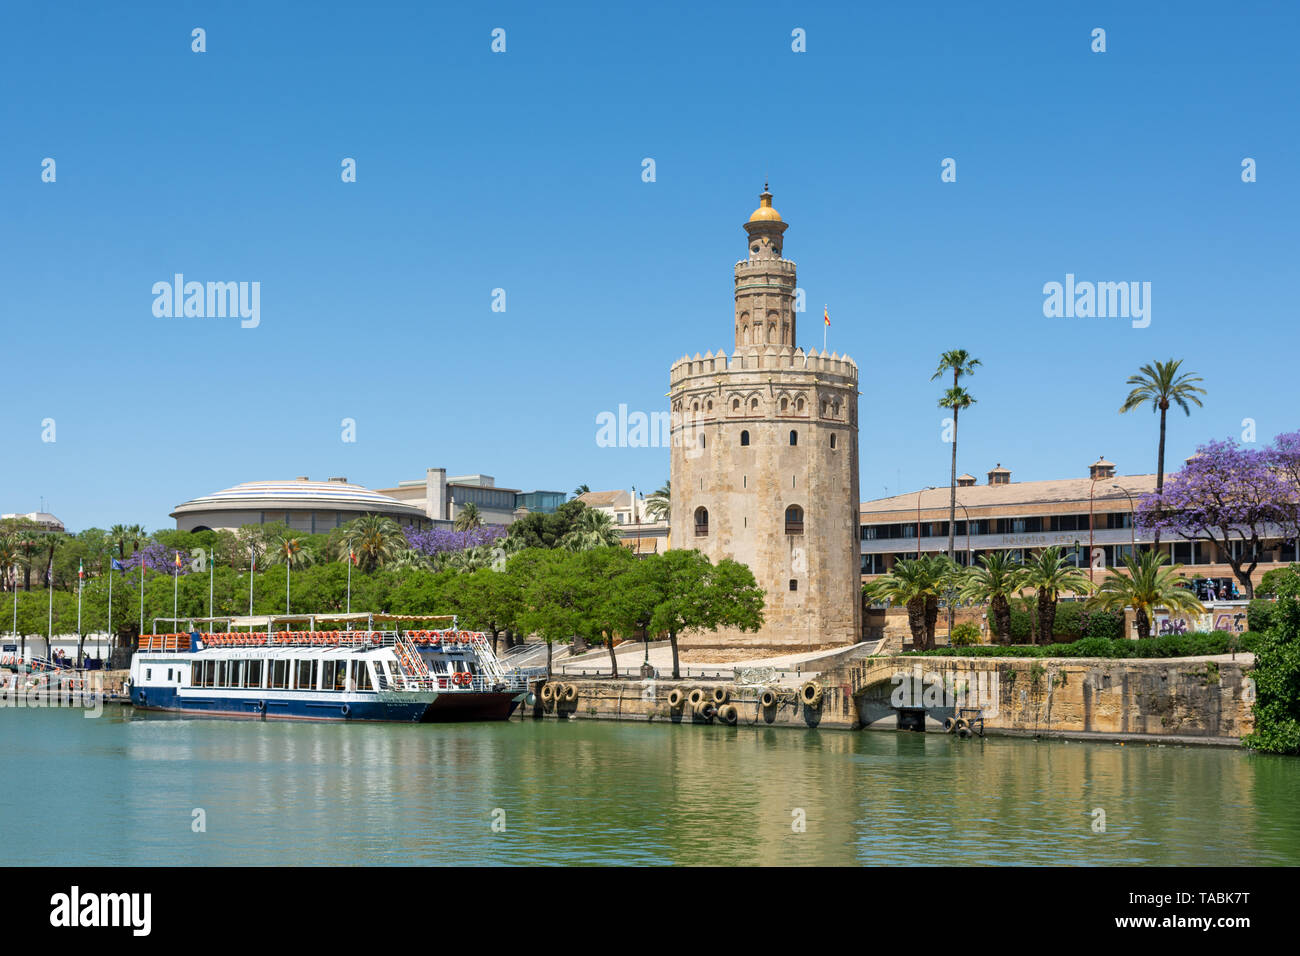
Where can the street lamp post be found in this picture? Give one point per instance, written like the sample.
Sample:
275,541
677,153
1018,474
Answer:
1091,503
918,518
1132,530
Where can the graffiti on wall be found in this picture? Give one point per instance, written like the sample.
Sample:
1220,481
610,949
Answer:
1231,619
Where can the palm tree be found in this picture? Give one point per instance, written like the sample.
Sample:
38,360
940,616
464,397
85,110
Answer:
468,518
916,584
591,529
1146,586
119,534
959,362
660,503
1160,384
995,583
581,490
374,539
290,552
9,560
1049,574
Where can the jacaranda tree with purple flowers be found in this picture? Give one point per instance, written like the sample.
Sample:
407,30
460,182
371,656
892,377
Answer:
442,540
1230,497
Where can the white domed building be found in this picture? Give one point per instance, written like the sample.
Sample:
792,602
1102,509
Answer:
312,507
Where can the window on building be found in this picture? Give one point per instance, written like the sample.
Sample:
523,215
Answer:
744,438
794,585
832,439
794,520
701,522
794,438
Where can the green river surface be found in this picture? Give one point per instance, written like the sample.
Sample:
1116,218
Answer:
123,788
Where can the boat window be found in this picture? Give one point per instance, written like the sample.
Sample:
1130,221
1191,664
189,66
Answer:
327,674
148,673
306,675
363,676
196,673
236,673
280,674
253,673
209,672
341,675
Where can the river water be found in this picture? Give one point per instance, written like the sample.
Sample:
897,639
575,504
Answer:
155,789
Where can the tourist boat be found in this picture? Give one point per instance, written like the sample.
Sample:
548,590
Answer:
260,667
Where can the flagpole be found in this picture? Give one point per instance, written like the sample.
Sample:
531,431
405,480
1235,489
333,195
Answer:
141,593
252,567
176,584
212,574
825,312
110,612
80,579
349,584
49,634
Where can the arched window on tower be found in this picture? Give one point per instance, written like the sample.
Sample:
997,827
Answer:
832,439
753,405
735,404
744,438
794,437
794,520
701,522
785,404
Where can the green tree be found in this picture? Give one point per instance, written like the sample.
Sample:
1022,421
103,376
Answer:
995,581
1159,384
915,583
540,530
1050,575
599,571
591,529
660,502
468,518
551,598
374,539
959,362
1144,586
1277,678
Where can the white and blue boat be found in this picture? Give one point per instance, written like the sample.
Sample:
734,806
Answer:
360,667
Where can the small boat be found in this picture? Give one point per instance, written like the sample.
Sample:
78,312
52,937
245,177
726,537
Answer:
358,669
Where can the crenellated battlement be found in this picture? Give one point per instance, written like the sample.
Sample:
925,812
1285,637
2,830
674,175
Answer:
756,264
764,358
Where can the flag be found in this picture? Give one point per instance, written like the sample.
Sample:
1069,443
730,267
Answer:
117,565
352,556
178,560
252,561
826,315
81,571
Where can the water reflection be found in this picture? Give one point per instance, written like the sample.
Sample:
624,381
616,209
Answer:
122,789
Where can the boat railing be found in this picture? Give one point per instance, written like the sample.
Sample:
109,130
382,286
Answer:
482,682
411,640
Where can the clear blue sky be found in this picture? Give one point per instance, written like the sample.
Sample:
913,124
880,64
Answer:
523,171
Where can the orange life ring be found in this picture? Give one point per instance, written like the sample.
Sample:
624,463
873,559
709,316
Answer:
374,637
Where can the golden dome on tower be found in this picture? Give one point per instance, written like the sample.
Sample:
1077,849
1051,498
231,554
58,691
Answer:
765,212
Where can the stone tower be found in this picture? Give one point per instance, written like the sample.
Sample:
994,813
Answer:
764,463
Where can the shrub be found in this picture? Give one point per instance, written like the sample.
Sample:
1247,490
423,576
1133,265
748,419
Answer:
1170,645
1259,614
1277,684
1103,624
964,634
1278,580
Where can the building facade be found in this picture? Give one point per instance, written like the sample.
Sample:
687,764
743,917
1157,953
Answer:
764,458
1084,517
312,507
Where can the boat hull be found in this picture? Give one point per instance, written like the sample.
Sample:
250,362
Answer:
432,707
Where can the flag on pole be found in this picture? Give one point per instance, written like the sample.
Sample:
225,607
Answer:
117,565
81,571
178,560
826,315
352,556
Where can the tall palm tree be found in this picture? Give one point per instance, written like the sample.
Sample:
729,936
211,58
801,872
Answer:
290,552
592,529
995,582
915,583
119,534
9,560
468,518
581,490
660,503
374,539
1050,574
1160,384
959,362
1146,586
